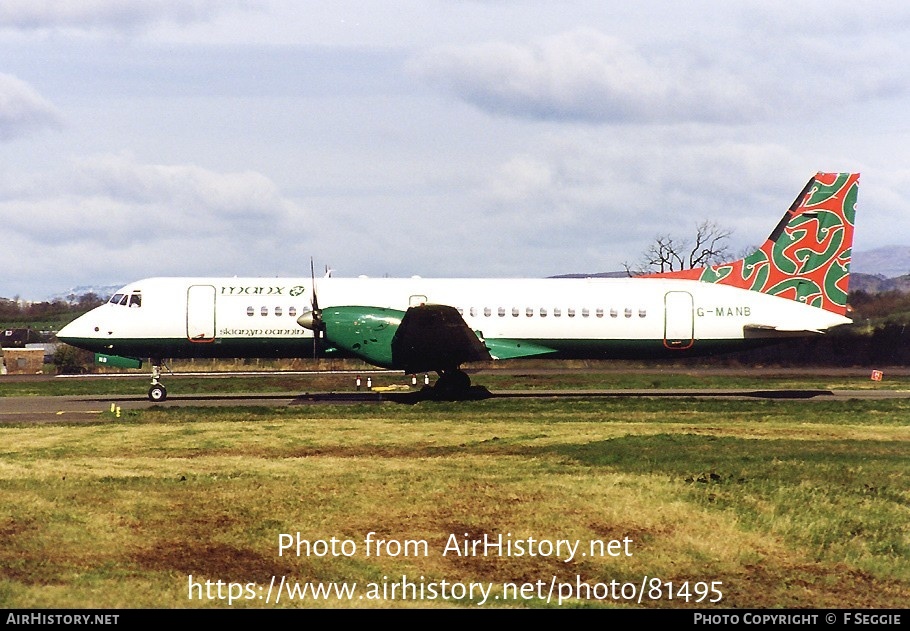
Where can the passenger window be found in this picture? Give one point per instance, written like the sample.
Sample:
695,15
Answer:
250,311
570,312
642,313
557,312
600,312
278,311
543,312
473,312
487,312
628,312
585,312
614,313
292,311
529,312
501,312
515,312
264,311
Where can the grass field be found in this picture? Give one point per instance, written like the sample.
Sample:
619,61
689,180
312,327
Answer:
744,503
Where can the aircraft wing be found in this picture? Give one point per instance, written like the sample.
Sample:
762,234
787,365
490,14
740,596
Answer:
433,337
429,337
423,338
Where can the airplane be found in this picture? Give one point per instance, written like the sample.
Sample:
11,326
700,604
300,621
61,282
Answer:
794,285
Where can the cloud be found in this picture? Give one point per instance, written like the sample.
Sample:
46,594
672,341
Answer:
589,200
115,200
118,14
22,109
520,178
109,219
584,75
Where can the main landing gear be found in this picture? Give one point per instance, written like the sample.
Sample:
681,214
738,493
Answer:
454,384
157,392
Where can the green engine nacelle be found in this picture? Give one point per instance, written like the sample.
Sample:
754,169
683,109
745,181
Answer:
366,332
425,337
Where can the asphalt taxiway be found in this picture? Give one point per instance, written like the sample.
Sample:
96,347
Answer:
95,408
100,408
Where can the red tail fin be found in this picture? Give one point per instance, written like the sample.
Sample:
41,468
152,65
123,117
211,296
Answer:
807,257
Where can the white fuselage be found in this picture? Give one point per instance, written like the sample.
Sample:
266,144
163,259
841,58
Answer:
257,317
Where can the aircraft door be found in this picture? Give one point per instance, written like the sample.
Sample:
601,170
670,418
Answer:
679,320
200,313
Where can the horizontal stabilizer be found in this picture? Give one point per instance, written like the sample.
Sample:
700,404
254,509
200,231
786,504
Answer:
753,331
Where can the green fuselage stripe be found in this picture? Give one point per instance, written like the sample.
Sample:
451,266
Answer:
264,347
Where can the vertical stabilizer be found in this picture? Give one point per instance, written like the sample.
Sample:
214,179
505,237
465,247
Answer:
807,256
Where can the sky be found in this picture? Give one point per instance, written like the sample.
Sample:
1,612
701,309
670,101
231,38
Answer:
440,138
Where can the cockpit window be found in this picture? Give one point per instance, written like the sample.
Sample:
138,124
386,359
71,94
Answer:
132,300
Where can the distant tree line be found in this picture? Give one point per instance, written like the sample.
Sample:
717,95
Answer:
37,322
883,345
881,307
19,311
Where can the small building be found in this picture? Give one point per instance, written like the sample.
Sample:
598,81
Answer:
23,361
48,348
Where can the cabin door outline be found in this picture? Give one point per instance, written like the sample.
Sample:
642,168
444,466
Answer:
679,320
200,313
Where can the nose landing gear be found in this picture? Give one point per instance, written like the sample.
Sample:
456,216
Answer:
157,392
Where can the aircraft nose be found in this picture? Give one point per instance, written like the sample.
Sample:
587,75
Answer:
65,333
79,329
68,332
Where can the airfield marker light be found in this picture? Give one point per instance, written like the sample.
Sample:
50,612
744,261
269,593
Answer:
118,411
413,380
113,405
369,383
357,382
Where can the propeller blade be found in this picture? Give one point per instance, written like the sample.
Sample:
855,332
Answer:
314,321
314,301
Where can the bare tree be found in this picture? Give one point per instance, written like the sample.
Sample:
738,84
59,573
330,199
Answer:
667,254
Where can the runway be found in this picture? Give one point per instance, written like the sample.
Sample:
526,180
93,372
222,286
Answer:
94,408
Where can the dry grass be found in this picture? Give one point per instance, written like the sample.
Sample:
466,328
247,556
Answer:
788,504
